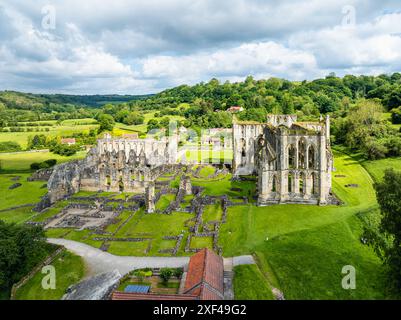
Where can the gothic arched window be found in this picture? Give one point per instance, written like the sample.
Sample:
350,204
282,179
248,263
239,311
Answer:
291,157
290,181
301,153
311,157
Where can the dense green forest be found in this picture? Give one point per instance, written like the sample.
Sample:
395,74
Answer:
18,106
365,110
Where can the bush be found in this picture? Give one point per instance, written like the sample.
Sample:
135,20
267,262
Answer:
9,146
178,272
35,166
165,274
393,144
396,116
64,150
375,150
43,165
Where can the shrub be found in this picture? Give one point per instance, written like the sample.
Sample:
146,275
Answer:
64,150
375,150
9,146
393,144
396,116
43,165
165,274
35,166
51,162
178,272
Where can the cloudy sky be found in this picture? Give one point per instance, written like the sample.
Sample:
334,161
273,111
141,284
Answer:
145,46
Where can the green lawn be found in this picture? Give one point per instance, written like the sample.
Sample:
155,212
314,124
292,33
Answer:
207,156
69,268
250,284
206,171
133,249
142,128
202,242
50,212
141,225
67,128
224,185
20,215
305,247
164,201
14,162
29,192
300,248
376,168
212,212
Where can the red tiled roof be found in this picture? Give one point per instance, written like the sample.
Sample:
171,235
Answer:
130,136
68,140
117,295
204,281
205,275
234,108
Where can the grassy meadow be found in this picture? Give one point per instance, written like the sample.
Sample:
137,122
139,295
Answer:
69,269
21,161
305,247
299,249
64,129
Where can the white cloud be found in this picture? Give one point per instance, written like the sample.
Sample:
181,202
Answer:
373,44
136,46
258,59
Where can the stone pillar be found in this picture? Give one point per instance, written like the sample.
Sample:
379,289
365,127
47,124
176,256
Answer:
185,184
264,185
283,167
283,186
322,170
307,158
150,198
307,185
295,185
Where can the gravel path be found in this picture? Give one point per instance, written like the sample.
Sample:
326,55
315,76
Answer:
99,261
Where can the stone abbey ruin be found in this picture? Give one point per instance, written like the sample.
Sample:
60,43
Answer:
292,160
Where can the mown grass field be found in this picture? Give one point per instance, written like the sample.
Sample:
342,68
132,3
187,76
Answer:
29,192
142,128
250,284
69,269
302,248
376,168
66,128
21,161
305,247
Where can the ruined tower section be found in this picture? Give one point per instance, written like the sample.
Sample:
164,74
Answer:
244,137
113,165
150,198
292,159
186,185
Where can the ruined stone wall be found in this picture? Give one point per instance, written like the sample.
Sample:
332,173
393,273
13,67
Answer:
113,165
293,160
244,138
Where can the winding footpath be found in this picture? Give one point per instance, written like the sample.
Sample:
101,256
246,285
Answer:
99,261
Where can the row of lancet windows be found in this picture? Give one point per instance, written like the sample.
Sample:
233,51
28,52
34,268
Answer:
301,184
306,156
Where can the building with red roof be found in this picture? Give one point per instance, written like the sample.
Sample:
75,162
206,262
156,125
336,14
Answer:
205,276
204,280
68,141
235,109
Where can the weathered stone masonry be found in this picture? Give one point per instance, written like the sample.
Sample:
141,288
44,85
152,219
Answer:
113,165
293,160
